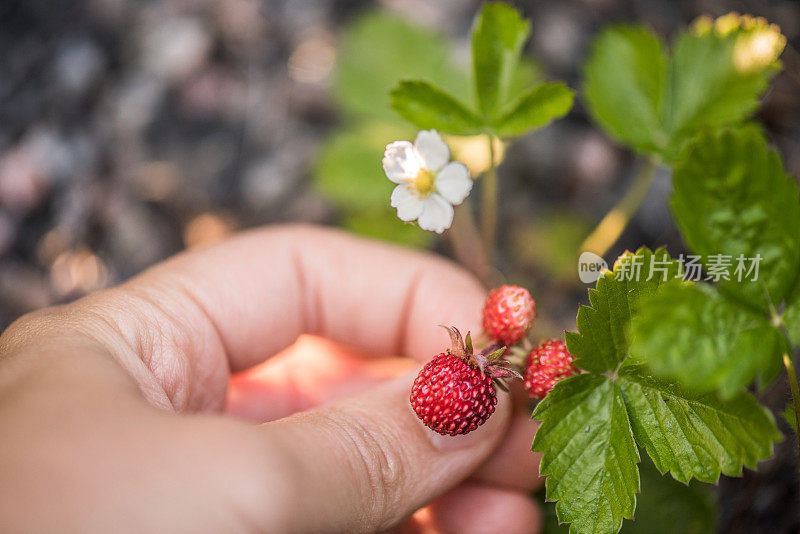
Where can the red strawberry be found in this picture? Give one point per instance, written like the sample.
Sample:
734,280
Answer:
508,314
454,393
547,364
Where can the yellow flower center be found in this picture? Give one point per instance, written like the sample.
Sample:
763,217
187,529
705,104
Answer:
424,182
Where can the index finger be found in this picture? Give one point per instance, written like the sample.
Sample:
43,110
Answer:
204,313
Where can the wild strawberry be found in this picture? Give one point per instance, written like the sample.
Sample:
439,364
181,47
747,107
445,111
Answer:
508,314
547,364
455,392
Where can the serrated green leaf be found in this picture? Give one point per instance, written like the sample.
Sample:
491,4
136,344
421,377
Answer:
535,109
601,343
696,435
589,454
718,71
733,197
654,103
498,34
692,333
664,506
428,107
376,50
667,507
625,86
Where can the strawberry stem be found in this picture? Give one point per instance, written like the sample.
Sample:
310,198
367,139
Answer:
787,362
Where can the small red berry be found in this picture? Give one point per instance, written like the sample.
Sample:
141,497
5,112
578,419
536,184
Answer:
547,364
508,314
452,396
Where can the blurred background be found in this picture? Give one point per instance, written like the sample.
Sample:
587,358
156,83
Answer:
132,130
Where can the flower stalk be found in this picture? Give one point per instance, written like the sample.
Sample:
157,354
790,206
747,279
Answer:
489,197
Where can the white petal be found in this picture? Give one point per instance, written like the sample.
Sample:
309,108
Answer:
432,149
453,183
408,205
401,161
437,214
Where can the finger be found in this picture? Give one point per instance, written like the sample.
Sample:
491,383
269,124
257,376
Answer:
312,372
478,509
233,305
513,465
365,463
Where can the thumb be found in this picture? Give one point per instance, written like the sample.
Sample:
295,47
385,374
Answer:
364,464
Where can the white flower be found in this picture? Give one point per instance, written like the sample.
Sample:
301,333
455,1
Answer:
429,184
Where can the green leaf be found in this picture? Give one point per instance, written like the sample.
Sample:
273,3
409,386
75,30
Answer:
719,70
535,109
654,103
733,197
625,86
589,453
791,315
348,175
789,417
696,435
666,506
382,223
601,343
692,333
427,107
498,34
348,170
376,50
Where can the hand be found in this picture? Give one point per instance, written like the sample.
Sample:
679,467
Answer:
128,410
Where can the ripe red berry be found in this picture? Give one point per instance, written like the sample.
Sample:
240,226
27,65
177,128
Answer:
508,314
454,393
547,364
452,396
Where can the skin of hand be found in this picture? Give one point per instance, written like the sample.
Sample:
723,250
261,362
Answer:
183,400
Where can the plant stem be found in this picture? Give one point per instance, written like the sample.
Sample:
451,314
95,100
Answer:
787,362
489,204
610,228
466,243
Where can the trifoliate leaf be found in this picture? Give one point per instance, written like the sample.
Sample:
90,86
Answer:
377,49
653,103
498,34
694,334
427,107
589,453
696,435
601,343
719,70
737,207
535,109
626,85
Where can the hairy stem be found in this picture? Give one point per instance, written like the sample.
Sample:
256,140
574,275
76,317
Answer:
787,362
466,243
489,204
610,228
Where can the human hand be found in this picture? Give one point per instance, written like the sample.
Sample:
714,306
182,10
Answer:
125,410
